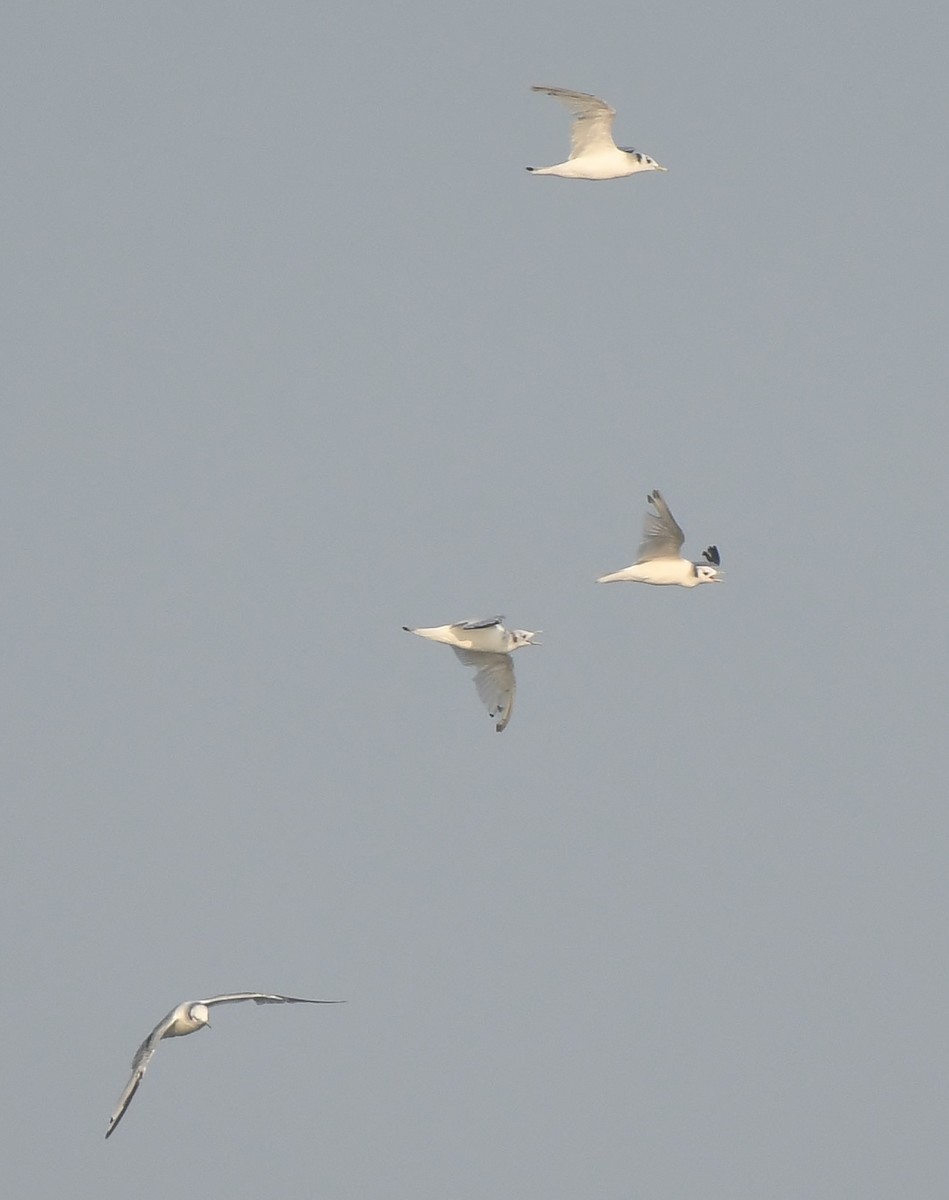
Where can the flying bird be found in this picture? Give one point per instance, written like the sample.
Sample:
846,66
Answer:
486,646
659,560
593,153
186,1018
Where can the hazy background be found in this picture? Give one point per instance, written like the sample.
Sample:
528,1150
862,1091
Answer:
296,353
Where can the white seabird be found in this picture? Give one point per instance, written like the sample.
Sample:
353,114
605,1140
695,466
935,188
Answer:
186,1018
593,153
486,646
659,560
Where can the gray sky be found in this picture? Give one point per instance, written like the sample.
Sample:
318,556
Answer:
297,353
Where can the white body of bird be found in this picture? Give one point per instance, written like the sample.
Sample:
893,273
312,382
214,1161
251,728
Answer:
593,153
660,572
188,1018
469,635
659,561
487,646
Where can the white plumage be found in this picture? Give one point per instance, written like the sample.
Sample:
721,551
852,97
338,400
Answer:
186,1018
659,560
487,646
593,153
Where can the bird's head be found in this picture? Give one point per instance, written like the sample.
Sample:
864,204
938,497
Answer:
200,1015
643,161
523,637
709,573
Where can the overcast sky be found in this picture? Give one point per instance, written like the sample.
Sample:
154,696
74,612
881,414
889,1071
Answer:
297,353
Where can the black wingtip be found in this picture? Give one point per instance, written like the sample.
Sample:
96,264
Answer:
530,168
406,628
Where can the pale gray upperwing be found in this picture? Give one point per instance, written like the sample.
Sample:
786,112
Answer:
592,127
662,537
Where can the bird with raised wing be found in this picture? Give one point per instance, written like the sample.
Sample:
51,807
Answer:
660,561
187,1018
487,646
593,153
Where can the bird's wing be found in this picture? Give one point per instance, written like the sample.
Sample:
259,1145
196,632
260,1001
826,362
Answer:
260,998
140,1062
593,120
662,537
711,555
494,681
486,623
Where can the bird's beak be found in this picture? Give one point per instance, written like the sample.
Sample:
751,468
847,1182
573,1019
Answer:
659,168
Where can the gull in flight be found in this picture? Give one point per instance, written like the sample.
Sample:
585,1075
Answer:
659,560
486,646
186,1018
593,153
